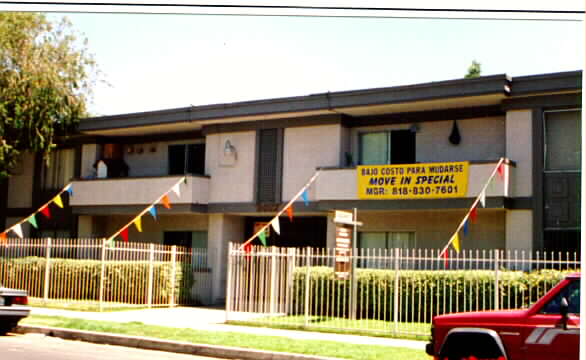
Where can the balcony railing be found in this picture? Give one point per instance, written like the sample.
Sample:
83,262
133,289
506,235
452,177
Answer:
139,191
341,184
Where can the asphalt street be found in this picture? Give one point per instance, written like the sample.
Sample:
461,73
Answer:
40,347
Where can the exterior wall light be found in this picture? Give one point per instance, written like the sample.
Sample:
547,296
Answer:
229,149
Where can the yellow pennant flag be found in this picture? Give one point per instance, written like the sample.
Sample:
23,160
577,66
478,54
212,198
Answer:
57,200
456,242
138,224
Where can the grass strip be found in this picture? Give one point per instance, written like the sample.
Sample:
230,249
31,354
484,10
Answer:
251,341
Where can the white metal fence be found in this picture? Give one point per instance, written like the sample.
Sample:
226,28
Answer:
394,291
91,274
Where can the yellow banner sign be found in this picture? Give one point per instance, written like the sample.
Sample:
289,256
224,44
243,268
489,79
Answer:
413,181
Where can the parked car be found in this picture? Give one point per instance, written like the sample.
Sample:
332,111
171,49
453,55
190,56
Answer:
13,307
549,329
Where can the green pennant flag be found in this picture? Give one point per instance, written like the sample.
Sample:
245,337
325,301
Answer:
263,238
33,221
110,243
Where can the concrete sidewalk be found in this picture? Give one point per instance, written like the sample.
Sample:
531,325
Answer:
212,319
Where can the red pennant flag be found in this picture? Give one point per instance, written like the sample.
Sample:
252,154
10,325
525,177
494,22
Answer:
501,171
473,215
446,256
45,211
165,201
124,234
290,212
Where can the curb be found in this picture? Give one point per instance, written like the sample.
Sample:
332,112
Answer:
145,343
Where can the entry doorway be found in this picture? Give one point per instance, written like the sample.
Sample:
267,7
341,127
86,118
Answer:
301,232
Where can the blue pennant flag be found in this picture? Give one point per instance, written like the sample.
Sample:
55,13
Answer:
466,227
153,211
305,197
70,190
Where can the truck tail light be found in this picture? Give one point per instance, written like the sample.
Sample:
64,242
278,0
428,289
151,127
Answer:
20,300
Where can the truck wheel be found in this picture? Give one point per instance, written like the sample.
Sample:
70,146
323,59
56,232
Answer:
462,343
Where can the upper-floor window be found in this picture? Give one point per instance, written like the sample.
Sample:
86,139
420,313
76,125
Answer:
562,140
387,147
60,169
187,159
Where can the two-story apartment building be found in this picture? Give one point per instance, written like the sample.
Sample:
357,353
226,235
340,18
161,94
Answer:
243,161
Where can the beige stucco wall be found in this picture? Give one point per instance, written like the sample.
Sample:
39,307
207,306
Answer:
20,185
482,139
520,229
143,161
222,230
433,229
520,150
232,180
304,150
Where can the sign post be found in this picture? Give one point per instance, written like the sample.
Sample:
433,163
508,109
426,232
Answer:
344,242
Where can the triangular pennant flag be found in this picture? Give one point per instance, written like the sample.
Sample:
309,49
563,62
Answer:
165,201
501,171
290,212
483,198
33,221
3,238
446,257
456,242
248,248
305,197
153,212
263,237
57,200
17,230
124,234
473,215
45,211
176,190
138,224
465,227
276,226
110,242
69,189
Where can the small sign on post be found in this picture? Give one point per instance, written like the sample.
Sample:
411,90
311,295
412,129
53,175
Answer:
344,243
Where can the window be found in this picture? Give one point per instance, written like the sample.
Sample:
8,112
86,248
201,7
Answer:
60,170
562,140
382,240
387,147
187,159
571,293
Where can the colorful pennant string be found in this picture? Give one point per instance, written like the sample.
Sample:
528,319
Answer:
166,202
45,211
473,215
446,258
276,226
153,212
57,200
501,171
305,197
465,227
456,242
483,198
138,224
290,212
263,238
3,238
176,190
69,189
33,221
124,234
17,230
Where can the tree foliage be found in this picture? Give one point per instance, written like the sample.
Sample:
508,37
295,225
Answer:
45,81
473,70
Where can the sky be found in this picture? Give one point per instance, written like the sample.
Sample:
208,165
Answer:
161,61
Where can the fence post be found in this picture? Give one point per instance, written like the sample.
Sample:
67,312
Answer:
396,291
102,274
274,274
151,275
229,283
496,280
47,270
307,275
173,274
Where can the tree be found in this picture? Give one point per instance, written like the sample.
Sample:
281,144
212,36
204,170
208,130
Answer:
473,70
45,81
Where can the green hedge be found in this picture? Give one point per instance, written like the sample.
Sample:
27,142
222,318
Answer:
125,281
422,294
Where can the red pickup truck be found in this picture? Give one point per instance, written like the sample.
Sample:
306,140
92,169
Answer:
549,329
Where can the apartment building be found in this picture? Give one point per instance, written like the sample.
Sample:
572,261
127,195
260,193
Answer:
243,161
